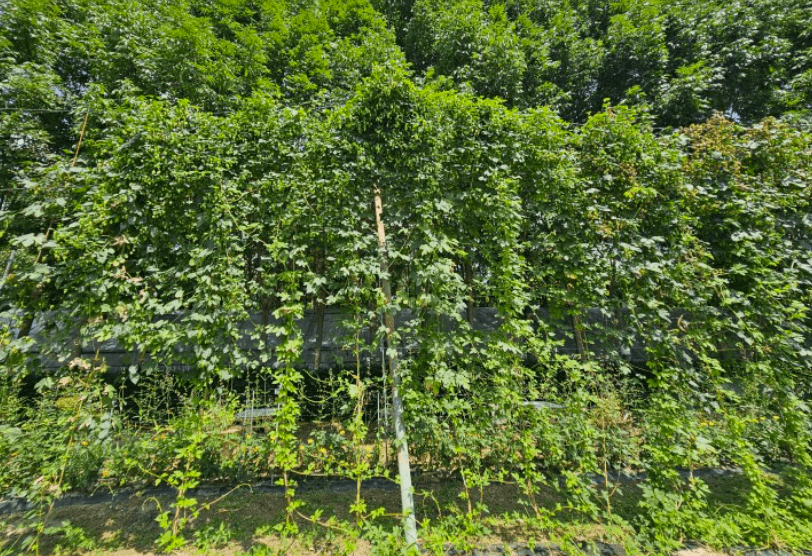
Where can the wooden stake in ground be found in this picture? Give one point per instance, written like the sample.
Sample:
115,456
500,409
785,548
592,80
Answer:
404,470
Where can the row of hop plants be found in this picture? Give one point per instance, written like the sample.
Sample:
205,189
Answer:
574,456
168,226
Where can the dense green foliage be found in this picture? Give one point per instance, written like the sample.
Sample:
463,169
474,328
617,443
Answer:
625,177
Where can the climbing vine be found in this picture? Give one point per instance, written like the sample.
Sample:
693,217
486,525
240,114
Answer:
594,313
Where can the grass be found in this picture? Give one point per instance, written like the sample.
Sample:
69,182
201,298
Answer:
248,523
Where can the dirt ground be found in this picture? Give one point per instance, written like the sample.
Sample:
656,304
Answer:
234,525
699,552
244,523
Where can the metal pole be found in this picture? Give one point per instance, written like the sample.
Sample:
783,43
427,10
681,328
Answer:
404,470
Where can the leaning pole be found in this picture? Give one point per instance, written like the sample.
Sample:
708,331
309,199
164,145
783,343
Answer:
404,470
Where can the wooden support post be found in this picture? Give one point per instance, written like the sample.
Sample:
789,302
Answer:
319,302
578,333
8,269
468,268
404,470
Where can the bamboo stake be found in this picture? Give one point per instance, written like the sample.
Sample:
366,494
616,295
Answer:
404,470
76,348
79,144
